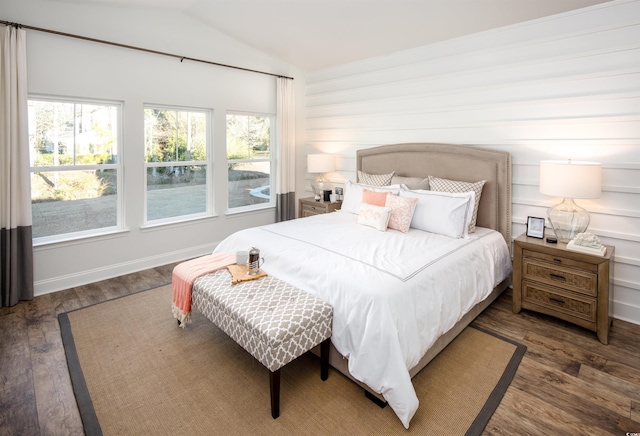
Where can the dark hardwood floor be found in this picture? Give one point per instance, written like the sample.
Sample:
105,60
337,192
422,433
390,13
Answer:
567,384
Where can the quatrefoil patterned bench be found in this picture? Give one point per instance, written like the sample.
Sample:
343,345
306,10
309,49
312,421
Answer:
271,319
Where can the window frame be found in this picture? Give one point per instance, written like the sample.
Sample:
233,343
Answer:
118,167
208,163
273,153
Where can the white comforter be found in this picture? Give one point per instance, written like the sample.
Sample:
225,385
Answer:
393,294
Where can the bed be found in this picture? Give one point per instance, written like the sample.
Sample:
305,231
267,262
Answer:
398,298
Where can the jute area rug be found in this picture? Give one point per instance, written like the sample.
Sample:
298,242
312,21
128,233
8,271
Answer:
134,372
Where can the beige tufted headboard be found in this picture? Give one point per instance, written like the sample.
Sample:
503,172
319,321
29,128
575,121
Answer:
454,162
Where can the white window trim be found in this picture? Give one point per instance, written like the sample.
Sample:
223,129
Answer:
209,163
118,166
273,150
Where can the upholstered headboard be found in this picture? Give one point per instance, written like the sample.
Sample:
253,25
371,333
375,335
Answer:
454,162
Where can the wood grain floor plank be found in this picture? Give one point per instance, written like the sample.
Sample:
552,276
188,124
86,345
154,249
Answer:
63,301
18,411
551,420
57,410
604,380
547,353
581,397
635,412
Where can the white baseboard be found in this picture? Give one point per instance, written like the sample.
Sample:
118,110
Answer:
60,283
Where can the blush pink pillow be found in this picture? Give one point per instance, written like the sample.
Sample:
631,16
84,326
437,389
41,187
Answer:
402,209
375,198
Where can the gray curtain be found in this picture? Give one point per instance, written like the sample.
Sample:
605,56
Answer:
16,249
285,184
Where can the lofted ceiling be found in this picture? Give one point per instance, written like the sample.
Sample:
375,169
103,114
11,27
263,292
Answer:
318,34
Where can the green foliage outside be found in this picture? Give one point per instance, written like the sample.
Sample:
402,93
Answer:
64,135
46,160
72,185
175,136
248,137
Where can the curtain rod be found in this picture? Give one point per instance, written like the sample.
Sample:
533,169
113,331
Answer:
101,41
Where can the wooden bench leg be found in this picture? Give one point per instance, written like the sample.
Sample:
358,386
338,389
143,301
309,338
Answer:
274,384
325,347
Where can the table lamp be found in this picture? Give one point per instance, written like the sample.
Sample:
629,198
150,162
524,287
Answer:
320,163
569,179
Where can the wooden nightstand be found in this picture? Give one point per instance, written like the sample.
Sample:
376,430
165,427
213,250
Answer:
572,286
309,206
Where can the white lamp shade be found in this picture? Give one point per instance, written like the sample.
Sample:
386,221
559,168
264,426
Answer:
570,179
321,163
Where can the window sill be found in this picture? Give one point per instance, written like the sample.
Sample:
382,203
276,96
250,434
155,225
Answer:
150,227
252,210
79,239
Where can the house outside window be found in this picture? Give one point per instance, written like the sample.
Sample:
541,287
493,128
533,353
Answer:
76,174
250,161
178,180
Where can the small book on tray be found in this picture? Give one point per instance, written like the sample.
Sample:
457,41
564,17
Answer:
598,251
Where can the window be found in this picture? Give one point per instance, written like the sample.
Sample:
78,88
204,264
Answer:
75,169
176,143
250,161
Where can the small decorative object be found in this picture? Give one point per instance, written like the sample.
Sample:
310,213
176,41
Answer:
242,257
326,195
569,179
339,194
587,243
535,227
254,261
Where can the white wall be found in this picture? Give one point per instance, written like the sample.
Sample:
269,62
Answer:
566,86
62,66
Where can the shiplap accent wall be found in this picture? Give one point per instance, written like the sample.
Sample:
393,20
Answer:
566,86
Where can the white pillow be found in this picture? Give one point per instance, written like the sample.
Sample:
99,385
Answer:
445,185
353,195
443,213
374,216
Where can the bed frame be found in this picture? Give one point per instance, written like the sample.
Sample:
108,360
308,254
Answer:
454,162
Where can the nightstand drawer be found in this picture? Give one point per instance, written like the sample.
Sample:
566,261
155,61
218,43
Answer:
561,261
571,279
309,207
559,301
308,210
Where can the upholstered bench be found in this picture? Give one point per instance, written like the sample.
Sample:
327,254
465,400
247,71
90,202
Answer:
271,319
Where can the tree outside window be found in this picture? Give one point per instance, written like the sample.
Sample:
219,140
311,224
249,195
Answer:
75,170
176,143
250,160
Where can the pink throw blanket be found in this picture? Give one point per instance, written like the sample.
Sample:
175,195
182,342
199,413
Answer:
185,273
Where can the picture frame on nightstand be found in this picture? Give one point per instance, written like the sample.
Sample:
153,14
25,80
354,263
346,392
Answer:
535,227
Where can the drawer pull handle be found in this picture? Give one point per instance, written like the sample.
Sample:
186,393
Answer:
557,277
556,300
557,260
